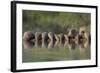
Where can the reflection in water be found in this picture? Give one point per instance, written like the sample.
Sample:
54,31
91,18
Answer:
38,39
52,52
56,40
50,47
28,44
44,38
55,43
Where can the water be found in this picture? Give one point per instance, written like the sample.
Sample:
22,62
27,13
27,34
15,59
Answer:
44,52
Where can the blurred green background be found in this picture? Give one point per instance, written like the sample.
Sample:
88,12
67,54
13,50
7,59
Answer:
57,22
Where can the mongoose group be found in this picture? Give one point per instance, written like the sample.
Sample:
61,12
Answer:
49,38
